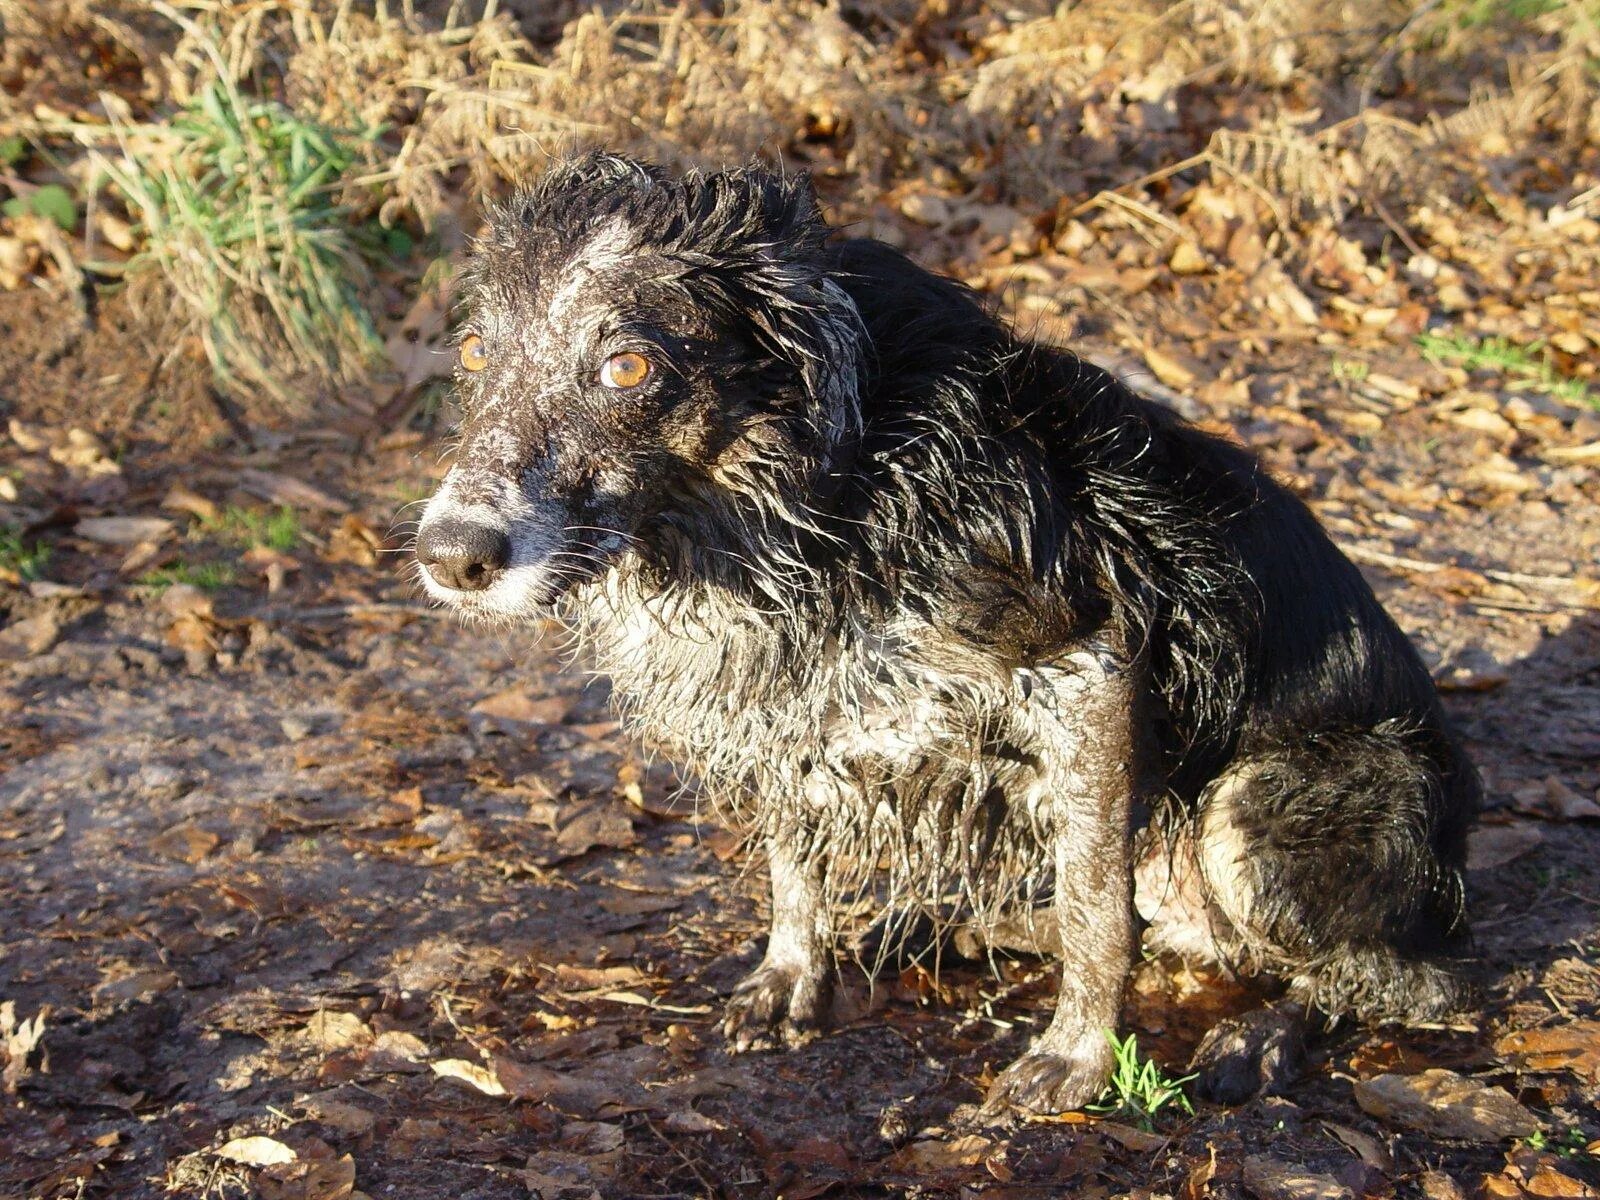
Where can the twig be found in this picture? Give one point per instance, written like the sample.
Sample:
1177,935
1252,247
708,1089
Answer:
711,1188
1094,201
1369,82
1265,335
328,612
1396,562
1395,227
1521,580
1142,211
1379,558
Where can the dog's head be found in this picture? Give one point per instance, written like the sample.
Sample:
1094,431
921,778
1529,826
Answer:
636,350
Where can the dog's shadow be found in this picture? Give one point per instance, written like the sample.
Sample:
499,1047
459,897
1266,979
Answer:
1534,876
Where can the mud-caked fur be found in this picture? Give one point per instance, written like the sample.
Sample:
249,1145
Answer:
935,612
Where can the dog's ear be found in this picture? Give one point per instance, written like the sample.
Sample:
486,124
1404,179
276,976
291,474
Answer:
797,309
789,206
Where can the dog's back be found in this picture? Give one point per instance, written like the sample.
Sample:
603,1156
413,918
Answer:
1262,628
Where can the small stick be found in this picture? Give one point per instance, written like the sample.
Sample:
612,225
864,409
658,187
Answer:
711,1188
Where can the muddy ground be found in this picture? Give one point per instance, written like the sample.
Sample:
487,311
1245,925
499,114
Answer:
318,865
308,893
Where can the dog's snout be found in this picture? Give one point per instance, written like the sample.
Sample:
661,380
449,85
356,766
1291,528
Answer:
463,556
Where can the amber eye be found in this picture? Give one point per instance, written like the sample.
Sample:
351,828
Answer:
474,354
625,370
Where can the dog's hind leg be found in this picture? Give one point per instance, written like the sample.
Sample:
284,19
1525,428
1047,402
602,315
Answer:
1334,865
790,994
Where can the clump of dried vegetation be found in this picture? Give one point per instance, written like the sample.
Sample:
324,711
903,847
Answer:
274,177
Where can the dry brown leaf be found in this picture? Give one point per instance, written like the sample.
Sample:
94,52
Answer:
347,1118
17,261
329,1031
514,707
1270,1178
21,1038
396,1051
1168,369
84,453
937,1155
1573,1046
1436,1185
1187,259
123,531
181,499
1497,473
573,977
30,637
925,208
316,1179
276,488
256,1151
354,541
30,439
1585,455
1372,1151
484,1079
146,556
1492,846
186,843
1195,1184
635,904
1568,804
603,824
809,1168
1443,1104
1546,1181
1134,1139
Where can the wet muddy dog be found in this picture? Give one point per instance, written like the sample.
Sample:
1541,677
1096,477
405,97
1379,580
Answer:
936,611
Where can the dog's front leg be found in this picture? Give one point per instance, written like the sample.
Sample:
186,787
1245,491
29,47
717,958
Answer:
790,994
1091,775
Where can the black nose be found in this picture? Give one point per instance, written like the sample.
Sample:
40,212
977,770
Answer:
463,556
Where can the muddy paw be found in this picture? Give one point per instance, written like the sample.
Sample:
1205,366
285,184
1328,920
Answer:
1044,1082
1259,1053
776,1004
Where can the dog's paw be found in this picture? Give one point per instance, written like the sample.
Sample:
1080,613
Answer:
777,1005
1259,1053
1044,1081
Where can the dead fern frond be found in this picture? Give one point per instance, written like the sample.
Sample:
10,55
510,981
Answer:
1272,42
1492,113
1393,157
1299,171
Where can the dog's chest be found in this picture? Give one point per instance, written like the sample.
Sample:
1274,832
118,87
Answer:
894,705
873,703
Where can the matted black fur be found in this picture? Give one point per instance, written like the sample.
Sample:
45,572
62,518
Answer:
936,611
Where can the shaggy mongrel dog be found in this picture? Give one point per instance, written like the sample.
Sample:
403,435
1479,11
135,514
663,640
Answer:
923,603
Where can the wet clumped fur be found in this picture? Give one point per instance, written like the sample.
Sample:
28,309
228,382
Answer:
940,616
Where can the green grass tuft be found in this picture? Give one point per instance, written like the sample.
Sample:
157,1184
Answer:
1139,1089
52,201
208,577
24,559
1529,364
278,529
1474,14
1571,1142
240,213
